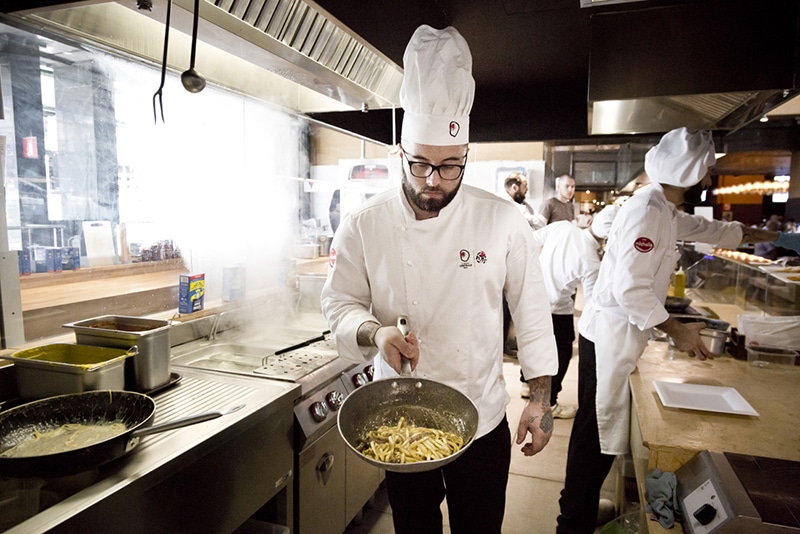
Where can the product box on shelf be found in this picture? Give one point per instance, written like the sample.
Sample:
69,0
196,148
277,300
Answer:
70,258
24,258
192,292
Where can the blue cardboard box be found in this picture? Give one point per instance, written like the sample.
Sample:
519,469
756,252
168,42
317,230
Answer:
71,258
192,289
42,258
24,258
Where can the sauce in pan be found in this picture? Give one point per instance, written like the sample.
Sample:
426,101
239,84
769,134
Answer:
67,437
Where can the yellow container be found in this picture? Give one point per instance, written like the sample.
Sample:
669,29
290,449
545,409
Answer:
61,368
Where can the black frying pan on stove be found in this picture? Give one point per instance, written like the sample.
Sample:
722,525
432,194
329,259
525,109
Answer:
105,425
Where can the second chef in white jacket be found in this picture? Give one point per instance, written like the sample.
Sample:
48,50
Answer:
628,302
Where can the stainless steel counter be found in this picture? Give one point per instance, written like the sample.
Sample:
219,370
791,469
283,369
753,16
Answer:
209,477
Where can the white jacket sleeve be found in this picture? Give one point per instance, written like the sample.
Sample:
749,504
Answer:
695,228
345,297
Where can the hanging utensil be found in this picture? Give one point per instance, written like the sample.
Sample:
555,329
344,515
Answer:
191,79
158,93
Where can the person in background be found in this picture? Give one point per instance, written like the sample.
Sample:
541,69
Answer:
766,249
628,301
516,186
444,254
560,207
570,257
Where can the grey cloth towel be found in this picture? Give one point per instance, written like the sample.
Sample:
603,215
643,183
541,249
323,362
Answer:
662,499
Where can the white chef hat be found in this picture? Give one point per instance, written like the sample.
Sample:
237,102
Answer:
601,223
681,158
437,88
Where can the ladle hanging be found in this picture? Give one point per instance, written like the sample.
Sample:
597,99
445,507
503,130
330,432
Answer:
191,79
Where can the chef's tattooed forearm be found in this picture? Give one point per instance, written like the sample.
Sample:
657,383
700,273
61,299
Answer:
540,389
540,393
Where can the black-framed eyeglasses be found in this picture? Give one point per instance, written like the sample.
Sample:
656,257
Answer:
447,171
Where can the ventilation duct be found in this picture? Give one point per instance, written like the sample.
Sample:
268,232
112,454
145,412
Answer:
291,38
714,65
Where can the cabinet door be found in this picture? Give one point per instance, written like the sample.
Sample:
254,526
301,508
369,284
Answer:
321,486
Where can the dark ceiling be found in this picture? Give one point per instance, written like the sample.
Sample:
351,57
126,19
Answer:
531,62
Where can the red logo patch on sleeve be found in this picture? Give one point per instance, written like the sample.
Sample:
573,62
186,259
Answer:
332,258
643,244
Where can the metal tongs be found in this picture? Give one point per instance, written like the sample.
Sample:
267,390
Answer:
405,364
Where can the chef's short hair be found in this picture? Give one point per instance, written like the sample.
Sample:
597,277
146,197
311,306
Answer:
558,178
515,178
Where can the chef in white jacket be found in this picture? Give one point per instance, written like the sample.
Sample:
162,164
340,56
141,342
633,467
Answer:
444,254
628,302
570,257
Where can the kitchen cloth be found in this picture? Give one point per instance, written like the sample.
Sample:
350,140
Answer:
662,500
787,240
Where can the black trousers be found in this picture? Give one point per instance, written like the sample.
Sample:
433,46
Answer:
564,332
587,467
474,483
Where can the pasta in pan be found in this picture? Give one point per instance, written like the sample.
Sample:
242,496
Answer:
405,443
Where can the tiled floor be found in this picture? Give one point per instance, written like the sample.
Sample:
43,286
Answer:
534,483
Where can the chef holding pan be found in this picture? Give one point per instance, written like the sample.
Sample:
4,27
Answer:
628,301
444,254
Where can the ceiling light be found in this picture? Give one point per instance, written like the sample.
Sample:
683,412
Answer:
764,118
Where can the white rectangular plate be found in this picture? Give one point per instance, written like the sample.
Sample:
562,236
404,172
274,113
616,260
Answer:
704,398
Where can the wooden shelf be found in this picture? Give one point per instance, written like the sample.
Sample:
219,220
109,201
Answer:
50,300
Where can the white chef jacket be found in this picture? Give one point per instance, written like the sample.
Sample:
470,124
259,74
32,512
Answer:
448,275
629,296
569,258
535,220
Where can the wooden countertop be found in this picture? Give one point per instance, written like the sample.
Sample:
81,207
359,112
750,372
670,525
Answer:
674,435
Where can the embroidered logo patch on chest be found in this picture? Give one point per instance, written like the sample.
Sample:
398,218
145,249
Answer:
643,244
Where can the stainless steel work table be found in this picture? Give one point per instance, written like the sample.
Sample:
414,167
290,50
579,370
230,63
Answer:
208,477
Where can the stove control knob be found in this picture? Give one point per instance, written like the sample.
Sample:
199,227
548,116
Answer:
360,379
319,410
370,372
334,399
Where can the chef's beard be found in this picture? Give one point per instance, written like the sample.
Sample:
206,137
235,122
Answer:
519,198
432,205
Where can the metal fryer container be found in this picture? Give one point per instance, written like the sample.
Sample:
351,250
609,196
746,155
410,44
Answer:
150,368
62,368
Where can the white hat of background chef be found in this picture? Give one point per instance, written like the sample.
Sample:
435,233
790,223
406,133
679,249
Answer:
601,223
437,88
681,158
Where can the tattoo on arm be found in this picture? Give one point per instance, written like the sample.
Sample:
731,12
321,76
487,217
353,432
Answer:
540,389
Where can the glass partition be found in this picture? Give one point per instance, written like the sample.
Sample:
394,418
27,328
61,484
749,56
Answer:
99,193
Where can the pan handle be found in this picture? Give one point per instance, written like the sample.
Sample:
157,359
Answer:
405,363
180,423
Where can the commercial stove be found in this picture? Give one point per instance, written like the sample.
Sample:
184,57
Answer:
734,493
330,481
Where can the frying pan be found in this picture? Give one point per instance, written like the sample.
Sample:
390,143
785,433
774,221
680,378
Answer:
135,410
422,402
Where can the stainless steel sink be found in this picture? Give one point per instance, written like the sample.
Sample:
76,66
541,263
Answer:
227,357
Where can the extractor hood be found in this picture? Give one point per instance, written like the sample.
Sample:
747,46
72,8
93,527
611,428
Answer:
292,39
712,65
